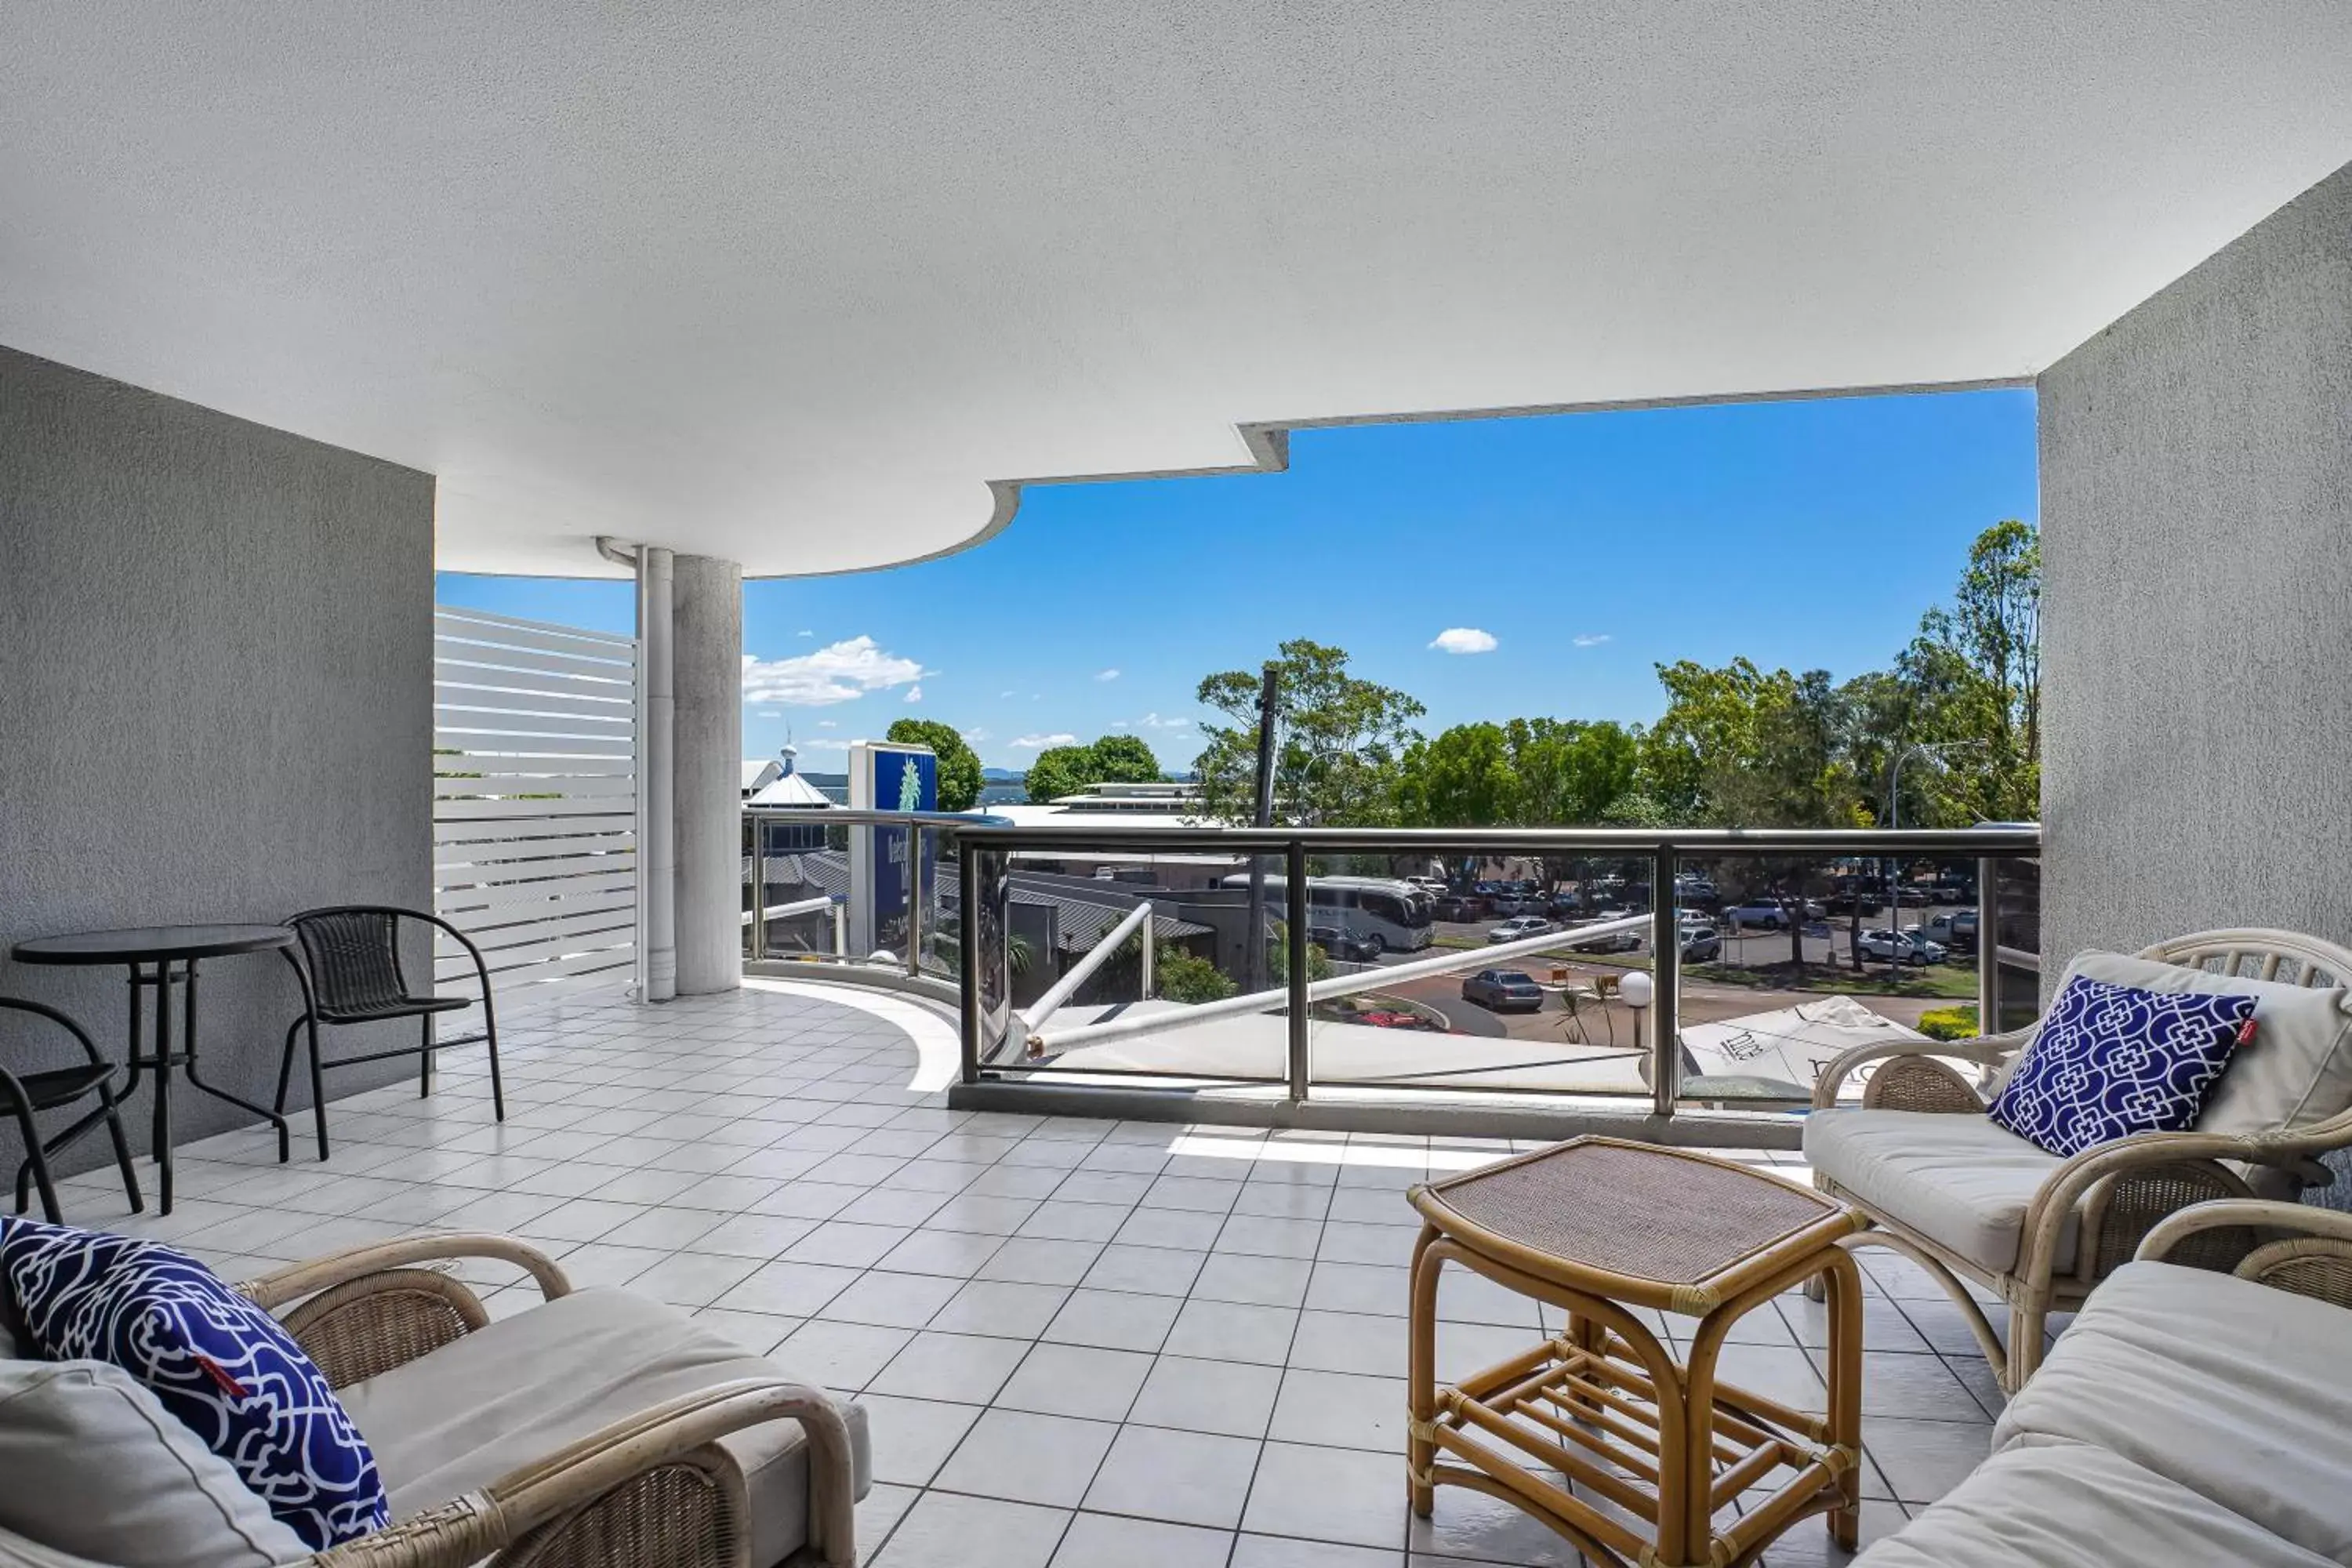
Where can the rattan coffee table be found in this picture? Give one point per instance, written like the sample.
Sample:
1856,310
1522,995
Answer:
1601,1226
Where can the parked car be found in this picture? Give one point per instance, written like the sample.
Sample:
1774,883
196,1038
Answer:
1765,912
1698,889
1608,941
1460,907
1908,946
1434,886
1503,991
1516,904
1954,926
1701,943
1561,905
1842,900
1524,926
1346,944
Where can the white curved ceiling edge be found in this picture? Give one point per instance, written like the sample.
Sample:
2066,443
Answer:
801,285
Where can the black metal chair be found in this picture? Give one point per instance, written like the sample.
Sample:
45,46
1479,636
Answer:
351,974
27,1093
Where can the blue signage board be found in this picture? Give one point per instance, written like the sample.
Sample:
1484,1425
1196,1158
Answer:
903,781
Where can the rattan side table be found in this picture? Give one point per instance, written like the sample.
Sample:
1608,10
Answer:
1598,1227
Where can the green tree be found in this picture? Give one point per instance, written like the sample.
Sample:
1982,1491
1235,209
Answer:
1339,741
1114,759
1060,770
1464,778
959,766
1126,759
1570,772
1751,749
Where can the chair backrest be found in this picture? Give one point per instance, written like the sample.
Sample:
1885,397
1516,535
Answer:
2289,958
354,958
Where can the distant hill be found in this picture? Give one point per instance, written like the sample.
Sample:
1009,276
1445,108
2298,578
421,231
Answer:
1001,775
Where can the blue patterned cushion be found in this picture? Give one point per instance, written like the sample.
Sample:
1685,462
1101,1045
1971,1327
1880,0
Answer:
216,1361
2111,1060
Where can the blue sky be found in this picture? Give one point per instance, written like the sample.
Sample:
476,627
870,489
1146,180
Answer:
1586,547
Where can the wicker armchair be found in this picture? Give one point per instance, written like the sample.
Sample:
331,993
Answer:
650,1489
2087,1215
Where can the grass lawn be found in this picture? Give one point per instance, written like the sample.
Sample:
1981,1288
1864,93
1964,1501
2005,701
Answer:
1933,980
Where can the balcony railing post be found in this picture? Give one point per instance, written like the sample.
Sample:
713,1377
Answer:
759,885
1989,946
968,941
1150,955
1665,984
1294,904
914,901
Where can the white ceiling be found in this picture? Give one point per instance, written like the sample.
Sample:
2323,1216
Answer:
797,283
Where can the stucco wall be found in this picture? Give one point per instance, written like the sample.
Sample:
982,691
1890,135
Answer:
217,641
2197,539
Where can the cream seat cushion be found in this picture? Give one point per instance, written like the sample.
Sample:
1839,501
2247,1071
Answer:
2065,1505
1957,1179
525,1386
92,1466
2296,1071
2237,1391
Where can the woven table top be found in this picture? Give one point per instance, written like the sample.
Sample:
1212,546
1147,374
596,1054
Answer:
1663,1228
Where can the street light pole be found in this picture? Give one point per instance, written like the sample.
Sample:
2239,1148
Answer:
1934,751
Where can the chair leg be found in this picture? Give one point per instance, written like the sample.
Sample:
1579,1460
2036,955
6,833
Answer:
122,1151
37,1166
424,1057
490,1033
318,1088
2025,1330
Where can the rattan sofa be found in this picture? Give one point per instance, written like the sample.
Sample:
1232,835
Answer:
2188,1415
1969,1201
598,1430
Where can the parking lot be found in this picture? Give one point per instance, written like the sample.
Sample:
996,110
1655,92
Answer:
1826,946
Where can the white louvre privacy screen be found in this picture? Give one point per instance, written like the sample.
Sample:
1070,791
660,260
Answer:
534,808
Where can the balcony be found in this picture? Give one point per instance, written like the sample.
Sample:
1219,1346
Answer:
1078,1339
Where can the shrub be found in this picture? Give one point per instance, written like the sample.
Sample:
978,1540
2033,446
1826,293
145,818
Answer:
1949,1023
1182,976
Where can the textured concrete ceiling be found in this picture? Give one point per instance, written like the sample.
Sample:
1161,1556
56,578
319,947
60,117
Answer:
805,285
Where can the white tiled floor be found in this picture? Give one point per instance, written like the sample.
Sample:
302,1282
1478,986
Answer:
1081,1343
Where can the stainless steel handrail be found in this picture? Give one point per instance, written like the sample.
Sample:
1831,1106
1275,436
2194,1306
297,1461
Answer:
1663,848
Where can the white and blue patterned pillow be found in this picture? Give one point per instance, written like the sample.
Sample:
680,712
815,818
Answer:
218,1362
2111,1060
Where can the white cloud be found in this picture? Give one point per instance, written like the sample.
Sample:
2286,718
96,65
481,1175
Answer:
828,743
1590,639
1107,674
915,693
1463,639
1154,721
1039,742
1008,694
828,723
837,672
975,735
803,632
1120,724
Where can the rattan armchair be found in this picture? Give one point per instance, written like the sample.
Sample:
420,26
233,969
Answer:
2107,1200
646,1490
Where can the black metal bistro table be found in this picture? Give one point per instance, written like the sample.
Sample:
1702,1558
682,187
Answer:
162,957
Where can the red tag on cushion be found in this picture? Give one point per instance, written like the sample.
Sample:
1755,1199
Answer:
2246,1033
219,1375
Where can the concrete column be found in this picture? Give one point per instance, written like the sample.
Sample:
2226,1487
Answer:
707,650
658,857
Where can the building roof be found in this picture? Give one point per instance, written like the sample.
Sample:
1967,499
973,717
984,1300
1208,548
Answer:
1156,242
1079,922
760,771
791,790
